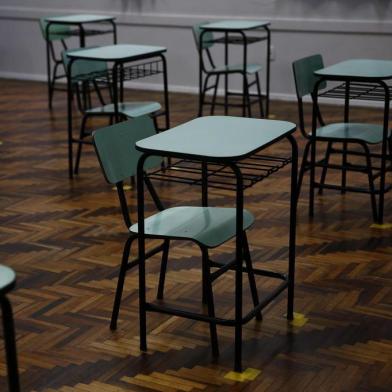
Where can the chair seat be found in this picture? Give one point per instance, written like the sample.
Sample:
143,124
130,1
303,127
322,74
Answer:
129,109
250,68
369,133
7,279
208,226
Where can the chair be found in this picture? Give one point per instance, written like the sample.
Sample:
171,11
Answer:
86,72
346,133
7,283
210,70
208,227
57,33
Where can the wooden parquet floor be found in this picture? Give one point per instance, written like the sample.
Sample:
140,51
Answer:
64,238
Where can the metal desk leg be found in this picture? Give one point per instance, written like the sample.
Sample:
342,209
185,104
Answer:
383,153
166,92
142,253
293,224
226,75
238,268
10,347
69,102
113,23
313,146
115,92
48,67
267,93
345,144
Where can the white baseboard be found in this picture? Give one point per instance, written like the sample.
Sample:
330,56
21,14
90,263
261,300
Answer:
193,90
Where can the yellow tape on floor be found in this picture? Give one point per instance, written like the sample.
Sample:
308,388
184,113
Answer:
247,375
384,226
125,187
299,320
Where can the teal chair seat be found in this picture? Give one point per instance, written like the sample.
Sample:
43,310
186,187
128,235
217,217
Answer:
352,132
7,279
207,226
128,109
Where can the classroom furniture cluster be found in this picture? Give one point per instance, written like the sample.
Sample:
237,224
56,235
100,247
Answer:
215,151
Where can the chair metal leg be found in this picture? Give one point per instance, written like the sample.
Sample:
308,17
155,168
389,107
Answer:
214,96
251,277
203,94
371,182
303,168
344,171
120,283
207,284
312,175
80,145
162,274
10,346
260,98
247,94
324,172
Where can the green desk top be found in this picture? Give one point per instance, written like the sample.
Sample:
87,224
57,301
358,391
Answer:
78,19
358,69
117,52
7,279
225,25
218,137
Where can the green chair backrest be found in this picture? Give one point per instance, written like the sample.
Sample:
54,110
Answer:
206,36
304,74
115,148
83,67
56,31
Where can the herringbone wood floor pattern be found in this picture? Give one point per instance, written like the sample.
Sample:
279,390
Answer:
64,238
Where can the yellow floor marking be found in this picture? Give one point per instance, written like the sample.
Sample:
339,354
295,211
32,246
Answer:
272,116
299,320
125,187
247,375
384,226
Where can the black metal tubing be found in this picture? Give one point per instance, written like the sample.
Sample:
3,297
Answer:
268,74
82,40
151,307
293,226
377,216
241,253
69,112
223,267
10,346
165,92
246,102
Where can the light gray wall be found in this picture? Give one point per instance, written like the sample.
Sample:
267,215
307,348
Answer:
339,29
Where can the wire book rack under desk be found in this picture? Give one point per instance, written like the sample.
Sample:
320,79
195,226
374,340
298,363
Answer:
254,169
358,90
125,73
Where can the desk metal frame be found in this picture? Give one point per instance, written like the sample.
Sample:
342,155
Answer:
237,263
377,89
243,39
117,78
82,33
